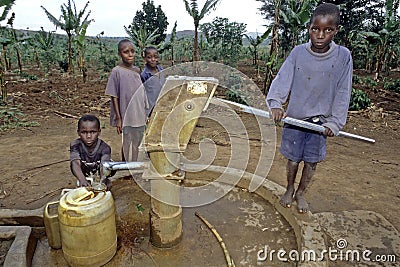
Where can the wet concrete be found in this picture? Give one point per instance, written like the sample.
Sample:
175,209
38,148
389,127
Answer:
246,223
16,246
352,233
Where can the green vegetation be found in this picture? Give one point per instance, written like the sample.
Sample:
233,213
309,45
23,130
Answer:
370,29
234,83
369,82
151,21
28,76
359,100
193,10
11,117
224,41
72,22
392,85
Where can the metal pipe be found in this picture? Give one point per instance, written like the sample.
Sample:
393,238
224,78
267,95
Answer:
109,166
288,120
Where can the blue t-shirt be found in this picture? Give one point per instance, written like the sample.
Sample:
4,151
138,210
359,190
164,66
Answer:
319,84
152,84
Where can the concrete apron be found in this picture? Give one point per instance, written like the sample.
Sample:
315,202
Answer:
322,232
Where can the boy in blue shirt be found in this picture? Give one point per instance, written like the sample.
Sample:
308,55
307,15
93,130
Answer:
318,77
152,77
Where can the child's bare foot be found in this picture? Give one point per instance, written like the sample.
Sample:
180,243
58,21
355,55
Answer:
287,198
302,205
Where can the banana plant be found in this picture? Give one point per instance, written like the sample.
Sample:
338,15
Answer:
17,41
141,38
385,41
193,10
81,44
256,42
274,50
254,45
43,41
7,4
296,16
170,45
70,21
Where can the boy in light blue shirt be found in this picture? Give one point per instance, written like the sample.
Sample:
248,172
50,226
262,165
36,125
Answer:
318,77
152,77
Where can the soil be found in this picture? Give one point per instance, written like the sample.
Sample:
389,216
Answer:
35,168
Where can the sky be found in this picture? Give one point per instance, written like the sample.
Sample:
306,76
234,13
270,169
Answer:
111,18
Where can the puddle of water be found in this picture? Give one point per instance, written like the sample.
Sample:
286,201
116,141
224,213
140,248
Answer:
246,223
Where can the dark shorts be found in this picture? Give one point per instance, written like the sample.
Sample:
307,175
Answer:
299,144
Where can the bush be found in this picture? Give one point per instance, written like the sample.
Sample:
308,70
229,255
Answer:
391,85
356,79
359,100
28,76
10,117
369,82
234,85
234,96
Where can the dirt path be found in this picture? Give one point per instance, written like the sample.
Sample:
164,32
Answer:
355,175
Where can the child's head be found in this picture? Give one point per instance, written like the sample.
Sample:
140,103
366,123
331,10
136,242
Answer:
126,51
150,56
324,24
327,9
89,129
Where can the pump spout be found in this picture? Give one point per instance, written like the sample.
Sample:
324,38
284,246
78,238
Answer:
109,166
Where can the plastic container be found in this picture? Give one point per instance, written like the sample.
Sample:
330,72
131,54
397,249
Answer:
87,227
51,224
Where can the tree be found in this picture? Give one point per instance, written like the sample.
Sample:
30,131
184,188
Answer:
360,15
193,10
70,22
44,41
385,41
273,52
224,39
295,15
16,41
289,18
81,44
7,4
153,18
170,44
256,42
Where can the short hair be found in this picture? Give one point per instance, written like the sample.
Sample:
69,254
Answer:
88,118
147,50
122,42
326,9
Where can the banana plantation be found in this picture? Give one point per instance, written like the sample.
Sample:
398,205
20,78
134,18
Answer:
370,29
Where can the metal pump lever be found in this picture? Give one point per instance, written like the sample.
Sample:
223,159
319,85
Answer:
288,120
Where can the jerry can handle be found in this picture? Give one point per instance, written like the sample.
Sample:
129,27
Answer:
46,209
88,193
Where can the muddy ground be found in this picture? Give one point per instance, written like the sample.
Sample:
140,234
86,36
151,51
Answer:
35,168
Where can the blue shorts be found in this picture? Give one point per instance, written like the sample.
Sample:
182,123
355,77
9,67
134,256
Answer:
299,144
